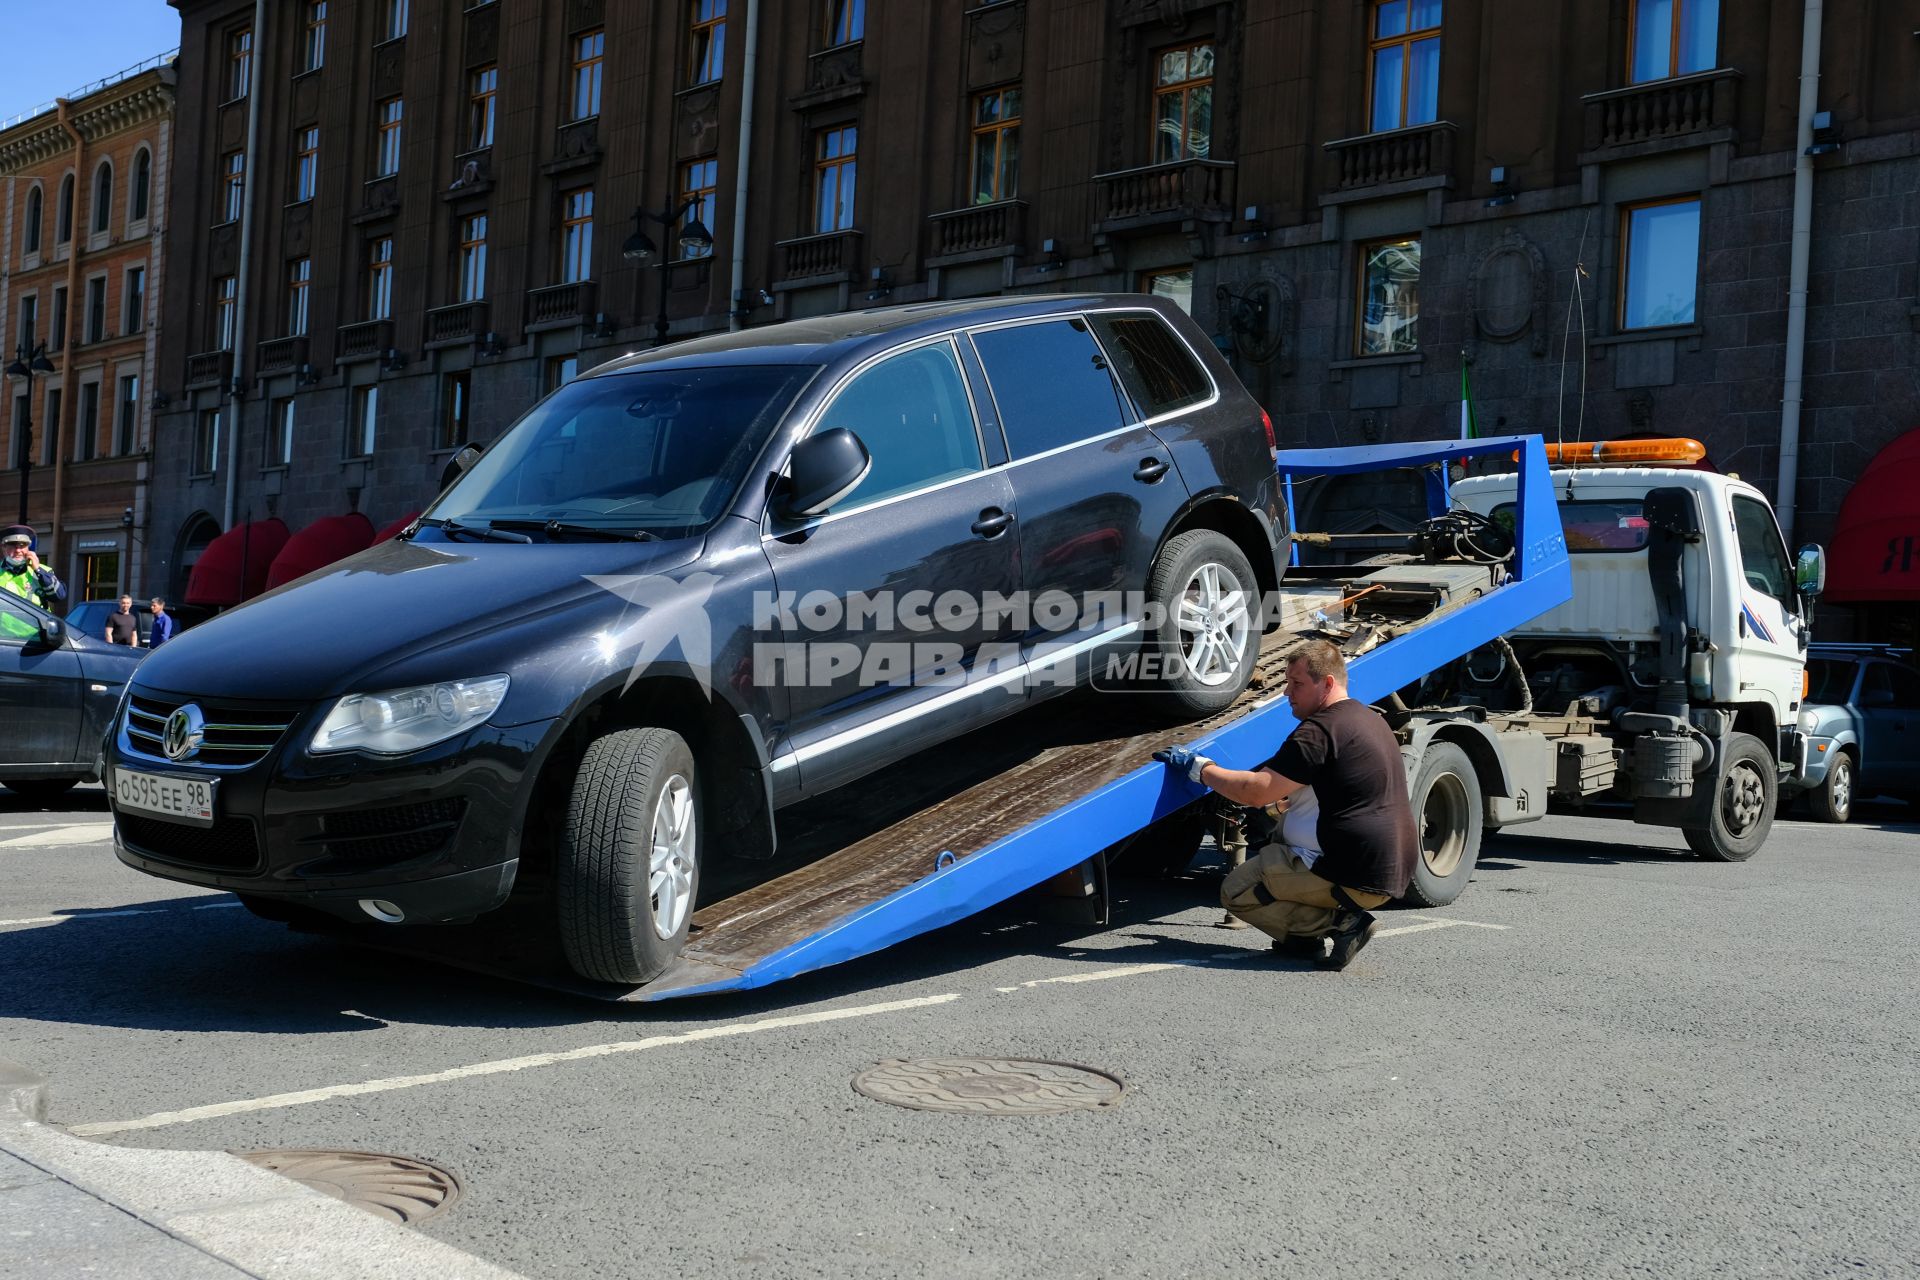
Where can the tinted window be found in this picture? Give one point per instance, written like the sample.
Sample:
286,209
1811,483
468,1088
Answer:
1593,525
1051,384
1763,557
1829,680
17,622
1154,365
912,413
1900,683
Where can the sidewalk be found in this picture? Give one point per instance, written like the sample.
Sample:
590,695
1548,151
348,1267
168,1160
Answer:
68,1207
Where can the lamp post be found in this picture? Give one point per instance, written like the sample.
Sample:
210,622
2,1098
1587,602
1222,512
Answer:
640,247
27,363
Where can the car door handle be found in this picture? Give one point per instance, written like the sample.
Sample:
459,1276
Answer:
1150,470
992,522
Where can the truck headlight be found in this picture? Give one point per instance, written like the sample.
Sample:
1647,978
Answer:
395,721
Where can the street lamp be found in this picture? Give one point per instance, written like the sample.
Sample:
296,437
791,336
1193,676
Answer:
25,365
639,247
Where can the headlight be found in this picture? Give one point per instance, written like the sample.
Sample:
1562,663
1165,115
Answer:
397,721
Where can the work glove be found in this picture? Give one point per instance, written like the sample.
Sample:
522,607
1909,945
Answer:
1184,759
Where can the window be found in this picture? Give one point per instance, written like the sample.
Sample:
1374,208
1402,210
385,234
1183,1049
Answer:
380,279
102,199
699,181
455,401
834,171
707,49
846,21
306,164
576,236
1154,366
142,186
1830,679
1176,284
1673,38
1763,557
473,258
1662,256
299,278
482,86
133,302
1183,104
1051,384
97,309
386,146
29,320
366,417
279,450
224,300
313,48
1593,524
50,427
1892,686
86,427
30,239
561,370
63,216
233,186
912,413
1404,64
1388,316
57,334
206,442
16,448
100,575
393,19
239,63
996,145
126,422
588,51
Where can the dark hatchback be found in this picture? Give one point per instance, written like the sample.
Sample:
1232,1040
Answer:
623,639
58,691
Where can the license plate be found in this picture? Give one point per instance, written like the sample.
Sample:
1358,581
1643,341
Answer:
188,800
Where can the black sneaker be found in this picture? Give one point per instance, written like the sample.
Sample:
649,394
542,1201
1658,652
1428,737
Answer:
1301,947
1352,930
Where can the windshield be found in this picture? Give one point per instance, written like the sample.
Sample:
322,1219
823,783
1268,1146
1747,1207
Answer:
652,452
1829,680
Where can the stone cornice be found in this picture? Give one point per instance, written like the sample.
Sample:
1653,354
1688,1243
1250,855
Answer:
121,106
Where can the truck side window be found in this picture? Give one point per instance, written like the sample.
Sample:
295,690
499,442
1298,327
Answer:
1154,365
1763,557
1051,384
913,414
1593,524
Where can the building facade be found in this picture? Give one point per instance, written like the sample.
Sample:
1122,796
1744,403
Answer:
84,186
1578,211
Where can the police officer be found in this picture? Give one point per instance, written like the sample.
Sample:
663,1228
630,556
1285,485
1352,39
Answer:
21,572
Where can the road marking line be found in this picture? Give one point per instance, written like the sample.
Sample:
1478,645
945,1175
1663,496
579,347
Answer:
88,833
1418,928
273,1102
1098,975
103,915
1473,924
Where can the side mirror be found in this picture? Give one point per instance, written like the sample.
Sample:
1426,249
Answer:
822,470
52,632
459,464
1810,571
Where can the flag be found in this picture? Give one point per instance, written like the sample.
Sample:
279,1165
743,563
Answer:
1469,430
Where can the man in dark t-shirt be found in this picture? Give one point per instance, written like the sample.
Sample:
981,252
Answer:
1344,750
123,627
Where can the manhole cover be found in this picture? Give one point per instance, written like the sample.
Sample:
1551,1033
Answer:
394,1187
989,1086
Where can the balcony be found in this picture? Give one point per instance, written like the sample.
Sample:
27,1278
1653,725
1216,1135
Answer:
1159,195
560,305
1682,112
833,74
979,231
278,355
1394,160
209,369
364,341
461,322
835,254
576,146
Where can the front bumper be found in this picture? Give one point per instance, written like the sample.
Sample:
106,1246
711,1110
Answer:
1812,772
436,833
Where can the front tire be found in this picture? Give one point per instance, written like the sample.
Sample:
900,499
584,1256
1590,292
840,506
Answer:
1209,607
1743,804
1450,813
630,856
1832,800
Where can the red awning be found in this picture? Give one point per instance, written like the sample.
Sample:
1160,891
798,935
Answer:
248,549
393,530
1876,541
319,545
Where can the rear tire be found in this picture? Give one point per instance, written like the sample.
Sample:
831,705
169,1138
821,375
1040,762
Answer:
630,856
40,790
1747,791
1832,800
1209,602
1449,812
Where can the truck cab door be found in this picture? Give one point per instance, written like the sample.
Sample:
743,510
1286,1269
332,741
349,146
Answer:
1770,654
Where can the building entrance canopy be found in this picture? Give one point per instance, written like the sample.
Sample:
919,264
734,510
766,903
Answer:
234,566
1876,541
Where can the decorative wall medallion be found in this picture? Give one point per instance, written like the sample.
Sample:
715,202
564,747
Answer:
1507,292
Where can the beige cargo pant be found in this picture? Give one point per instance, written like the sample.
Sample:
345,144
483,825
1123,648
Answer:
1276,894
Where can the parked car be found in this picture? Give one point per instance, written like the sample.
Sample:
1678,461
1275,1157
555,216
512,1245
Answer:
58,690
570,675
89,618
1862,720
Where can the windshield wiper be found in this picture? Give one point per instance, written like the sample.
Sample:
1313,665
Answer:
487,532
558,528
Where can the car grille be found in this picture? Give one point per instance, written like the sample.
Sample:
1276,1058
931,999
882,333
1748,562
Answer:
237,736
228,845
375,837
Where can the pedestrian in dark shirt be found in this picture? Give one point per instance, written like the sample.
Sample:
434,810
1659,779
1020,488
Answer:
1344,750
123,627
162,624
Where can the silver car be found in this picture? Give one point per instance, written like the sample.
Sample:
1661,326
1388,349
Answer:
1862,721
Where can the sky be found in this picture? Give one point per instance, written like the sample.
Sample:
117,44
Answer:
74,42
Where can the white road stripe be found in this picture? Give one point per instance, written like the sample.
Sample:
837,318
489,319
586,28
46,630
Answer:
88,833
105,915
272,1102
1471,924
1097,975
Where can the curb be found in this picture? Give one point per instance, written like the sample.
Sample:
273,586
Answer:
256,1222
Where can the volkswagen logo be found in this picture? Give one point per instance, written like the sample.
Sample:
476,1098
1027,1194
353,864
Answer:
186,730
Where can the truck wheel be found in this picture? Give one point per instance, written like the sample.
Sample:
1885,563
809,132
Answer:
1162,849
1832,800
1743,809
1209,602
1449,812
40,790
630,856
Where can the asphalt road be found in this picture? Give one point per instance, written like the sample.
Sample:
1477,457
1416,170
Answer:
1610,1059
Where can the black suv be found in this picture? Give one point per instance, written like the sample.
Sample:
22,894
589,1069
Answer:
700,584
